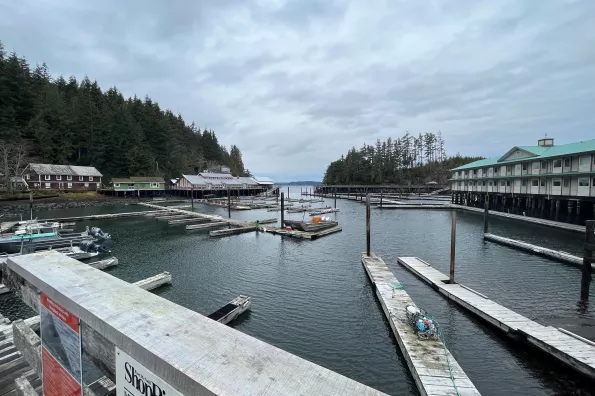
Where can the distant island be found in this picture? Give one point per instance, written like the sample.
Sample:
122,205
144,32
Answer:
299,183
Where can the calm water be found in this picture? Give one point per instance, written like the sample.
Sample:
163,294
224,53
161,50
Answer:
313,299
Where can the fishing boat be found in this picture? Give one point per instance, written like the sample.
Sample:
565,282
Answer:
34,239
232,310
311,226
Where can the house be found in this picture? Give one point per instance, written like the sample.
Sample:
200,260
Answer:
530,178
151,185
62,177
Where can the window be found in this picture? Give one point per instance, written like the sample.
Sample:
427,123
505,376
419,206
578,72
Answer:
566,182
90,178
524,167
495,171
507,183
86,184
542,182
27,176
534,183
154,185
517,168
131,186
69,177
483,183
543,164
47,185
116,184
98,185
47,177
69,185
535,166
557,183
583,182
524,182
489,183
567,162
80,178
594,182
517,182
584,160
558,163
503,183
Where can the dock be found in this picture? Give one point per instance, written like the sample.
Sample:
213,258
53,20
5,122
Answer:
105,263
105,216
191,220
155,281
302,234
434,369
570,349
207,226
539,250
233,231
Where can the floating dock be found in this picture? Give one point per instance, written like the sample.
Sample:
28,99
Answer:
105,263
302,234
233,231
571,349
106,216
207,226
434,369
542,251
155,281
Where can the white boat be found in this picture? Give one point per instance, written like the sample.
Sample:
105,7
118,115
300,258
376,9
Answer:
232,310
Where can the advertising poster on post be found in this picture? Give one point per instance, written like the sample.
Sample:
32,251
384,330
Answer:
60,349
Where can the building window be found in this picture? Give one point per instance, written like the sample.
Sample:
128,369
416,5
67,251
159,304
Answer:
507,183
543,164
583,182
86,184
131,186
557,183
502,183
584,160
90,178
489,183
566,162
27,176
80,178
535,166
116,184
69,177
534,183
566,182
524,167
558,163
98,185
47,185
524,182
517,182
58,177
47,177
154,185
69,185
542,182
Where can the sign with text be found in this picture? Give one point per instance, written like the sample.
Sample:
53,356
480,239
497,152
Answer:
134,379
61,362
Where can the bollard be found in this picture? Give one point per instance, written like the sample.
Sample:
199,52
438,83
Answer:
485,217
368,225
453,239
587,259
282,209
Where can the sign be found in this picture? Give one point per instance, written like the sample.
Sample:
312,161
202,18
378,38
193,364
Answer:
61,363
134,379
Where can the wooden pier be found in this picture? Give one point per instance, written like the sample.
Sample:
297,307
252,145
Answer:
434,369
106,216
539,250
207,226
105,263
180,346
570,349
233,231
302,234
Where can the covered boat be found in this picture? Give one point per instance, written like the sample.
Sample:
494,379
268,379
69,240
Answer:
311,226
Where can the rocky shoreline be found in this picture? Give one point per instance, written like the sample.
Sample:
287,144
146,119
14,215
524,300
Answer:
17,208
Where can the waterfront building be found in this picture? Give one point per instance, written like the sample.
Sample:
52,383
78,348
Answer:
533,180
220,183
151,185
62,177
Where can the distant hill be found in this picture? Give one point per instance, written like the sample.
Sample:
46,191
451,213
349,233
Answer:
299,183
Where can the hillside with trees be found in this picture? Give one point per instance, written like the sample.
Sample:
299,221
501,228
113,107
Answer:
65,121
407,160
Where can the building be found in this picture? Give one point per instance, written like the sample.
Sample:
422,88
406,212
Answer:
62,177
534,180
151,185
208,183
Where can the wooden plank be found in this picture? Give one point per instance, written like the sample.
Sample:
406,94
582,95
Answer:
550,340
192,353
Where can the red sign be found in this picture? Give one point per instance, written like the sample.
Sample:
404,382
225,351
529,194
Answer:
61,349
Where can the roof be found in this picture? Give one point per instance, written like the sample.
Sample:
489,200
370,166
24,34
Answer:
174,181
194,179
68,170
216,175
121,180
539,152
149,179
263,180
247,180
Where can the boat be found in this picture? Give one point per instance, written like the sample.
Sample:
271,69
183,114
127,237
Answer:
231,310
33,239
310,226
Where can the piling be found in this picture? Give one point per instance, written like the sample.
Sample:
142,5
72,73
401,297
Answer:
453,241
380,198
485,217
31,205
192,197
228,205
368,224
282,209
587,259
335,198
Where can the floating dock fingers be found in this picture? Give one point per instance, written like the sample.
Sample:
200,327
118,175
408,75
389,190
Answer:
567,347
434,369
554,254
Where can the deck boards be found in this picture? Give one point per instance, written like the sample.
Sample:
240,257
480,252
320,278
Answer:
426,360
572,351
302,234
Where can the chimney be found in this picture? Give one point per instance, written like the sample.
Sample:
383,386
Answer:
547,142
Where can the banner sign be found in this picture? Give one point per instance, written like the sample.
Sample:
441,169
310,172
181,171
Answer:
61,361
134,379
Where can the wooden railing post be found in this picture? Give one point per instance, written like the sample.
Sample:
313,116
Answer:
587,259
368,225
453,240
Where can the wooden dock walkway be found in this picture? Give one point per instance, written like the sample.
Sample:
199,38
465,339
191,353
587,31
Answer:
434,369
542,251
302,234
106,216
571,349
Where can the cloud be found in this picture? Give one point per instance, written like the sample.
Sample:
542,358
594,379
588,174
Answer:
295,84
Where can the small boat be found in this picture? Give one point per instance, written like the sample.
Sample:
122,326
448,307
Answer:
34,239
232,310
311,226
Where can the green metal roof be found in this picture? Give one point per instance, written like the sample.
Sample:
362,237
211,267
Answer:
540,153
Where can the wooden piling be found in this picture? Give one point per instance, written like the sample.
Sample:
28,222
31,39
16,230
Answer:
588,248
485,217
228,204
368,224
192,198
282,210
381,198
31,205
335,197
453,241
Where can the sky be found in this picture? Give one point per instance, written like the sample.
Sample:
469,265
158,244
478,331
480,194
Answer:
295,84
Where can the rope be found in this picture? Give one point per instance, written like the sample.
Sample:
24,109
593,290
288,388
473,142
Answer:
452,378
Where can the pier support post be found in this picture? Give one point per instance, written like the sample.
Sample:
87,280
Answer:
368,225
569,219
453,241
380,198
335,197
587,259
228,204
578,213
557,209
543,206
282,209
192,199
30,205
485,217
287,191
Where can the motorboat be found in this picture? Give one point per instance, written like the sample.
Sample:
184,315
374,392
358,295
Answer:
39,238
310,226
231,310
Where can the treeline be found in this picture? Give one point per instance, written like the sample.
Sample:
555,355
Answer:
65,121
407,160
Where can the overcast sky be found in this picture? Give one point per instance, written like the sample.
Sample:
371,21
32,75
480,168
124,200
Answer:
295,84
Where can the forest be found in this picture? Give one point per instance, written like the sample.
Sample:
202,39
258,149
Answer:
406,160
65,121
